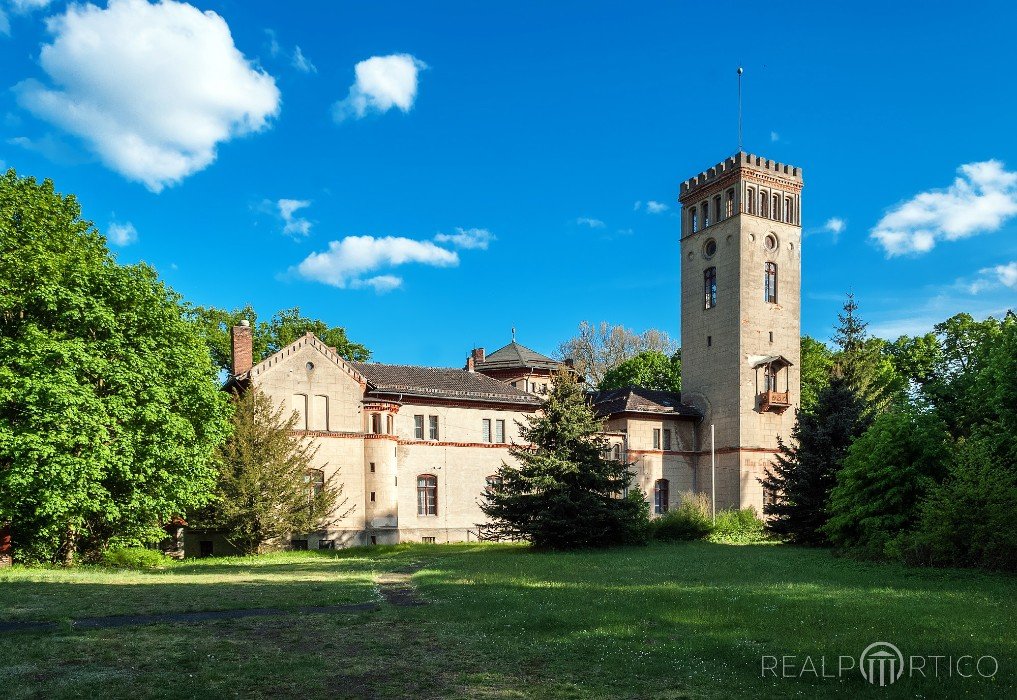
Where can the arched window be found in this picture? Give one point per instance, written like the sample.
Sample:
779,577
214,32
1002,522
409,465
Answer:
300,408
776,207
770,283
693,220
750,200
616,452
716,208
729,209
661,495
705,207
764,207
427,494
789,210
710,288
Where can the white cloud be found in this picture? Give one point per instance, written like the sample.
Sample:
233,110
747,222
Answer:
774,136
29,5
473,238
994,277
347,263
382,82
656,207
980,200
121,234
592,223
834,225
151,89
302,63
293,225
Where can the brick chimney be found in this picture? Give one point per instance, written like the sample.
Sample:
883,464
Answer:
243,347
470,367
477,356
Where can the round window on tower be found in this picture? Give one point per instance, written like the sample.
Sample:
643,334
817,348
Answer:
710,248
310,366
770,242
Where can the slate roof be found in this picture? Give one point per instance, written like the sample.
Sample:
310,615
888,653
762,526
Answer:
514,356
440,382
636,399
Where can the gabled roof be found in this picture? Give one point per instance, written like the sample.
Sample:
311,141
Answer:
440,382
514,356
759,361
308,339
636,399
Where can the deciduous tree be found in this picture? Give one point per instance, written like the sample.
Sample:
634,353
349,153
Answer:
651,369
598,348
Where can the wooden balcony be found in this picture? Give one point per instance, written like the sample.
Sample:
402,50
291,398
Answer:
776,401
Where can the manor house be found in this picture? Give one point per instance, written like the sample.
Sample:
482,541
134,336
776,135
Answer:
415,447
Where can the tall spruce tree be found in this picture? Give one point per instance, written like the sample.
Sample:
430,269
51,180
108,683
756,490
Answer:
565,492
805,470
863,361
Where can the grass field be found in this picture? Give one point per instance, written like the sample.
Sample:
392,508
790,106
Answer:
665,621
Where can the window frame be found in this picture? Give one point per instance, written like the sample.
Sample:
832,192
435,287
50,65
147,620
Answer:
499,431
710,287
770,282
656,438
661,496
667,439
486,433
429,487
418,426
433,433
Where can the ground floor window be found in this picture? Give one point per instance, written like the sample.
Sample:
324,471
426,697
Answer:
661,495
427,540
427,494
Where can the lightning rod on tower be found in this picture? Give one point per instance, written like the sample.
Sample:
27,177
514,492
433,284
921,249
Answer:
740,71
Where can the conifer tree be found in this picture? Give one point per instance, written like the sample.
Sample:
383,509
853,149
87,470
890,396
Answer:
267,488
805,470
566,492
864,361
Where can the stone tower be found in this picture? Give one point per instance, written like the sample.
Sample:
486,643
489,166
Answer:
740,315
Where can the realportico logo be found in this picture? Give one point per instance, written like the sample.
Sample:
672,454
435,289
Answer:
880,663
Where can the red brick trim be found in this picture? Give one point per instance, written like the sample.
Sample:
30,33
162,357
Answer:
443,443
679,453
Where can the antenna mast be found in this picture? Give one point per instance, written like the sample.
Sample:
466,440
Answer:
740,109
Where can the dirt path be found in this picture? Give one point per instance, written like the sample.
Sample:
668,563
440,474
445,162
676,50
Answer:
396,587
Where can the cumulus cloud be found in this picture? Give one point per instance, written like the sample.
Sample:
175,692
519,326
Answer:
349,263
382,82
151,89
121,234
981,199
472,238
592,223
834,225
651,207
293,225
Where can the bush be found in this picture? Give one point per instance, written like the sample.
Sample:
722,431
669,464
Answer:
134,558
739,527
968,520
689,521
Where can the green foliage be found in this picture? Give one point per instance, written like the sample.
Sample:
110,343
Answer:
266,487
887,471
133,558
864,362
690,520
109,406
564,493
968,520
805,470
651,369
284,327
735,526
817,366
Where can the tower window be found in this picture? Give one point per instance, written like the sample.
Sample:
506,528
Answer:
771,336
764,208
776,206
729,209
709,341
710,288
789,209
770,286
716,208
693,220
705,206
750,200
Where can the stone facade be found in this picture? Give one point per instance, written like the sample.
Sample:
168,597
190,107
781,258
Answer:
737,218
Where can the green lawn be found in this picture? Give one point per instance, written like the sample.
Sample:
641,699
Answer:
666,621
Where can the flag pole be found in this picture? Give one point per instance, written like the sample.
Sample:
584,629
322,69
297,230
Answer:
740,71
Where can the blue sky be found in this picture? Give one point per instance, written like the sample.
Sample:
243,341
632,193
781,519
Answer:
431,175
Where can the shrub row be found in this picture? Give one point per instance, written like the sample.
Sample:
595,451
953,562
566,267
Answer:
692,520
